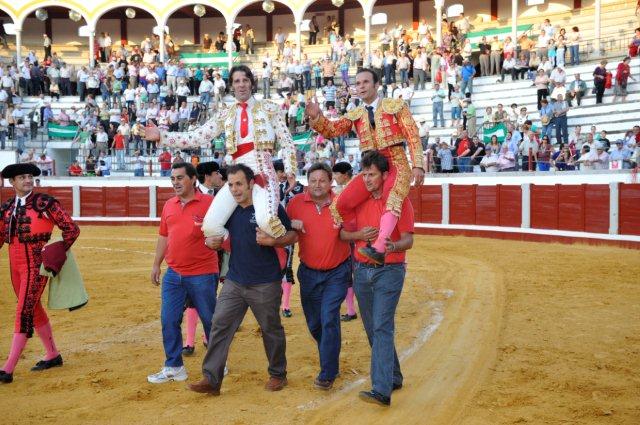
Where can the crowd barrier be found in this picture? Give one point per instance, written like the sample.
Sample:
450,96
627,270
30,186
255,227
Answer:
515,208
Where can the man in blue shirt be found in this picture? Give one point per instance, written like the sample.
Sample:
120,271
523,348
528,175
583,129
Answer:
253,281
546,117
468,72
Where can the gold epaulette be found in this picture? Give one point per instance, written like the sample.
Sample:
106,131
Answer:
355,113
392,106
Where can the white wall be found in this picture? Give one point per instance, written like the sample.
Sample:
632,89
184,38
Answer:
32,30
181,30
212,26
287,24
259,25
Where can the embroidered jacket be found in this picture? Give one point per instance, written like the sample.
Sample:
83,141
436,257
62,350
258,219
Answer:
268,126
394,125
34,221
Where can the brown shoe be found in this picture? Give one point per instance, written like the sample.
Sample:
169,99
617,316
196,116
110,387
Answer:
204,387
275,384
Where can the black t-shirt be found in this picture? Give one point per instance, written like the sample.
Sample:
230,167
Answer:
249,262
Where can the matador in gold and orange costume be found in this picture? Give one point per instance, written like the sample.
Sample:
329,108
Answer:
384,125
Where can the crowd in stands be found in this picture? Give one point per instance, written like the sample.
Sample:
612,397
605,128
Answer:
132,87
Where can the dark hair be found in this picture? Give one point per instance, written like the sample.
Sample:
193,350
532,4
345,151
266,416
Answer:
320,166
344,168
372,158
375,77
247,72
188,168
278,165
241,168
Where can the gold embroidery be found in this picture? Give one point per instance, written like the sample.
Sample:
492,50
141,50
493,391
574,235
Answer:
392,106
401,186
355,113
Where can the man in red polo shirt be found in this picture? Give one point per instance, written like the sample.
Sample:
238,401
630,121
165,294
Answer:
325,268
378,287
192,267
164,159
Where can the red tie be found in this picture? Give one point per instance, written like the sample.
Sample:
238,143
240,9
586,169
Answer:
244,120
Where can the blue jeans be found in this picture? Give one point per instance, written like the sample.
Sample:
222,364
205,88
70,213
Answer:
322,293
165,173
466,86
404,75
575,54
378,291
463,164
438,109
201,289
205,98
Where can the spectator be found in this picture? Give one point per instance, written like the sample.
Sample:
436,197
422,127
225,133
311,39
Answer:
599,76
508,67
139,162
90,165
329,92
621,154
485,50
560,110
491,161
45,164
623,73
445,157
563,159
529,151
420,70
75,170
464,150
601,159
506,160
542,84
573,40
438,105
544,154
104,164
587,156
577,90
546,117
496,52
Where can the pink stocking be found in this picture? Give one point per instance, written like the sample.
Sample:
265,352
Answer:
46,336
18,344
387,224
286,295
351,309
192,323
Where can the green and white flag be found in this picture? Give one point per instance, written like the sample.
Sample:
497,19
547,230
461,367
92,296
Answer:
56,131
206,59
499,130
302,141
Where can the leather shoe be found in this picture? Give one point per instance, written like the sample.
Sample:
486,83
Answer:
348,317
373,255
188,350
6,378
375,398
48,364
204,387
323,385
396,387
275,384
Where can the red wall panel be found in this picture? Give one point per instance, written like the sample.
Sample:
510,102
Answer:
117,202
596,208
571,207
92,202
487,205
510,206
629,209
139,202
414,197
162,194
64,195
6,192
462,204
544,207
431,204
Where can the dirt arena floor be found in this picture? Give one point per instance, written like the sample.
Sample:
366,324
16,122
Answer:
490,332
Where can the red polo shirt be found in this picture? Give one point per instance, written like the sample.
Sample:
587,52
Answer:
369,214
182,226
320,245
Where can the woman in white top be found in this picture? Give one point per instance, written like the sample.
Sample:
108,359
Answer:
573,41
452,77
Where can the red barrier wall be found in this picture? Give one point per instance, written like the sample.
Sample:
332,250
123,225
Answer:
596,208
431,200
544,207
629,209
487,205
462,204
162,195
510,206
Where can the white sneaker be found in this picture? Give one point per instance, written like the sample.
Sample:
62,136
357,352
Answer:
168,374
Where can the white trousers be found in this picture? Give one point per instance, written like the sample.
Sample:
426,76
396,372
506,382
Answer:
265,199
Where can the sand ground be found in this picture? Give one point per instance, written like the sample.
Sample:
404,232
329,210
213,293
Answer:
490,332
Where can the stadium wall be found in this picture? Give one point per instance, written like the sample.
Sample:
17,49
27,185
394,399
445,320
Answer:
596,208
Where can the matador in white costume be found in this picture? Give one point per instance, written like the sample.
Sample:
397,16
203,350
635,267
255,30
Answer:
251,128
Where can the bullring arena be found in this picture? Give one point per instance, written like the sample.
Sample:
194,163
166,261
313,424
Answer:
521,303
489,332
